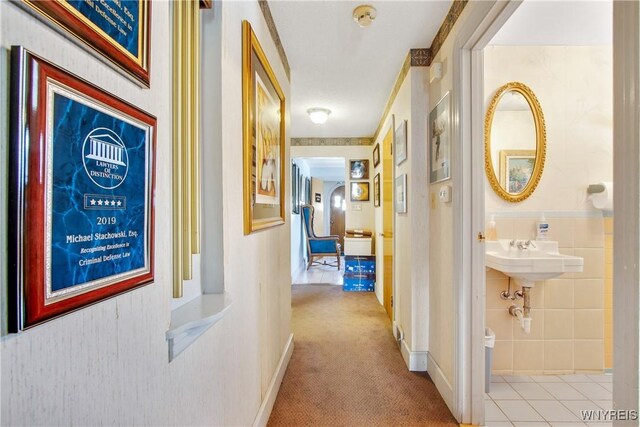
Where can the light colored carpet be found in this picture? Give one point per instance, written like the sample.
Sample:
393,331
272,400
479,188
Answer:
346,369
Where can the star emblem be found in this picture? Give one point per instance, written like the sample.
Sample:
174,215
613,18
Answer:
119,203
113,203
93,202
100,202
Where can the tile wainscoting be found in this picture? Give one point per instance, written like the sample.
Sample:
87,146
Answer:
568,328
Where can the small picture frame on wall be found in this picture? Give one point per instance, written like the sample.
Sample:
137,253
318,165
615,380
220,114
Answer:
376,190
401,193
359,169
440,141
516,168
318,198
359,191
400,136
295,189
376,155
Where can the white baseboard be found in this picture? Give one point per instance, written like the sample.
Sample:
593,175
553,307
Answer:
443,386
301,268
274,386
416,360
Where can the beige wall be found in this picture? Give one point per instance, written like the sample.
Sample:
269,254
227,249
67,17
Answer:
574,87
108,363
410,253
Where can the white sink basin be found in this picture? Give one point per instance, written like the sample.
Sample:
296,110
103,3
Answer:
540,261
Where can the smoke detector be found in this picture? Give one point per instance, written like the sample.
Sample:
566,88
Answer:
364,15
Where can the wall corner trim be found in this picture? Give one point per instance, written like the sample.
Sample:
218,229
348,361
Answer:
262,417
416,361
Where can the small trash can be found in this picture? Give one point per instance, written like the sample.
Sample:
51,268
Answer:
489,343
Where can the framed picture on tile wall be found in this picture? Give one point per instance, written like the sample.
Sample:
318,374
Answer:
440,141
400,137
263,107
84,232
119,30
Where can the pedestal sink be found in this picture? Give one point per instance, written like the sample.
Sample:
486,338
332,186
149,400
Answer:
530,261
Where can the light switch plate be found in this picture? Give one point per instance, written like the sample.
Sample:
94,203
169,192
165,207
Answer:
444,194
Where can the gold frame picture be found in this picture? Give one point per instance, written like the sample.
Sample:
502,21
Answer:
359,191
263,125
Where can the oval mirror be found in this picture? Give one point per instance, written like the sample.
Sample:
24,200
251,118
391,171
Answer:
514,142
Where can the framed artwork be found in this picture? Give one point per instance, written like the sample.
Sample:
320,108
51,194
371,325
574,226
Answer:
263,108
295,189
359,169
516,167
318,198
83,231
401,194
376,155
307,191
376,190
119,30
359,191
440,141
400,137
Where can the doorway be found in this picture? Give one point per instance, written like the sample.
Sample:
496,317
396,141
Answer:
337,213
387,221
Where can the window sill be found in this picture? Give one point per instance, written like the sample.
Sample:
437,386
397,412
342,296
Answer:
191,320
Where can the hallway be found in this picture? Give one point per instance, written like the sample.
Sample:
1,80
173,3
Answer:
346,368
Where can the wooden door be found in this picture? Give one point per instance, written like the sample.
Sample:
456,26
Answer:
336,218
387,223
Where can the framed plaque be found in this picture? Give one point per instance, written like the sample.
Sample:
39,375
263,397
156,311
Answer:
81,193
118,29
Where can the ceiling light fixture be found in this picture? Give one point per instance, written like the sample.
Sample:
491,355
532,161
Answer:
318,115
364,15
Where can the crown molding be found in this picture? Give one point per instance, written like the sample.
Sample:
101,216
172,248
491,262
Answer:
300,142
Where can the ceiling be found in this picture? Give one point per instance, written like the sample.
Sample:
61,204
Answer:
558,23
336,64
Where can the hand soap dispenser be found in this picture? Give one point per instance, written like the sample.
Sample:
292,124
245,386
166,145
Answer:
492,233
542,228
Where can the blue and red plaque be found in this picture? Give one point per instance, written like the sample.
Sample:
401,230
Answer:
82,180
118,29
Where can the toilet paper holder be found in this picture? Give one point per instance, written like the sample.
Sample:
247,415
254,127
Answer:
595,188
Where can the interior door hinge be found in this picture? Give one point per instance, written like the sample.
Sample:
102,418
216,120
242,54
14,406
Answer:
480,236
391,300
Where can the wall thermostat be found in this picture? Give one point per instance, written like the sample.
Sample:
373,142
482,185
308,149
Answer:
445,194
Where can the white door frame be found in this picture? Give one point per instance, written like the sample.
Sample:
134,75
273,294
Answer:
481,24
484,19
626,199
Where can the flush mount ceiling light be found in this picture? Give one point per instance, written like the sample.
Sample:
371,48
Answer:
364,15
318,115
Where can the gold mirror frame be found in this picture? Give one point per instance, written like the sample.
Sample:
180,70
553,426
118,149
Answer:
541,142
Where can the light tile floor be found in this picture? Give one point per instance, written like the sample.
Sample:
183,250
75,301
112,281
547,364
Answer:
546,400
322,273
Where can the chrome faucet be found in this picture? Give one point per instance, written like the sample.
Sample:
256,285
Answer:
521,244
